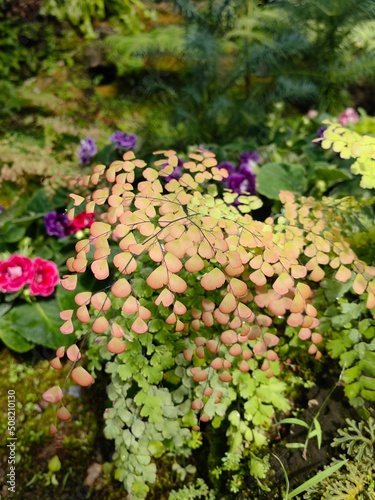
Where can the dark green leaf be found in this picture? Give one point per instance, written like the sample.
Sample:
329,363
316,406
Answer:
316,479
275,177
12,339
12,233
334,289
40,323
40,204
4,308
331,176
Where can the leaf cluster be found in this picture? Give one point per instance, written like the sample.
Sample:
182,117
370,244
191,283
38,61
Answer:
352,341
85,13
199,490
350,144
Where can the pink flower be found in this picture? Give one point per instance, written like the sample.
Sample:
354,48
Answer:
46,277
81,221
15,272
350,115
312,113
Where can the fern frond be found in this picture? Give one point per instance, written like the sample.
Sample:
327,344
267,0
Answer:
130,50
296,91
251,27
362,37
362,66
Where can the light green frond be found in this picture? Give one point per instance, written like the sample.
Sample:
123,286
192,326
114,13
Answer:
362,36
349,144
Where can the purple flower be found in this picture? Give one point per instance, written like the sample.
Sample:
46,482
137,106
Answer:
240,182
241,179
123,140
176,174
57,225
248,160
248,156
87,149
320,133
2,209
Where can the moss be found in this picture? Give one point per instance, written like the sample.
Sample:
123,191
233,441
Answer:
83,443
34,446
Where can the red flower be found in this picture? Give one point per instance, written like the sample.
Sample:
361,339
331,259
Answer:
15,272
81,221
46,277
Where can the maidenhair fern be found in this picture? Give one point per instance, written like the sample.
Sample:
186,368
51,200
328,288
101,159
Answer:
198,304
349,144
199,490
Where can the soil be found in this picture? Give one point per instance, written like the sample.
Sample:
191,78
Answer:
333,410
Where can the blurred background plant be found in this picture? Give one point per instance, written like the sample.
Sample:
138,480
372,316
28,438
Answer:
323,52
215,71
182,73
